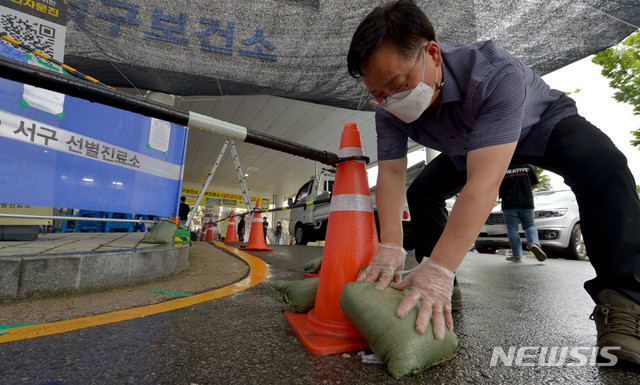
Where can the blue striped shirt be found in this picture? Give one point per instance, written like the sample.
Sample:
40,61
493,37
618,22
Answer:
489,98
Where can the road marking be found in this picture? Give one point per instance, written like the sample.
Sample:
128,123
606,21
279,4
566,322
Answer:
258,272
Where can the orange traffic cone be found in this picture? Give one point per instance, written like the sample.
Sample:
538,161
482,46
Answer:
209,236
232,236
203,233
256,237
350,242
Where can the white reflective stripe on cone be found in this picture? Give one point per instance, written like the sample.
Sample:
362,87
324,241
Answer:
256,220
351,202
350,151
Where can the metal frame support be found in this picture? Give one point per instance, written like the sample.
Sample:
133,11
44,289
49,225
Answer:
241,179
206,183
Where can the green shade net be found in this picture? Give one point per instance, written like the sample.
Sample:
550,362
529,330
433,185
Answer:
297,49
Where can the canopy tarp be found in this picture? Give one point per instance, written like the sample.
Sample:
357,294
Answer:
297,48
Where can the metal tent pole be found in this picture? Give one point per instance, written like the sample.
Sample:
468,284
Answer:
51,80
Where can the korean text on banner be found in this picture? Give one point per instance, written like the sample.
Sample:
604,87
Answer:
90,156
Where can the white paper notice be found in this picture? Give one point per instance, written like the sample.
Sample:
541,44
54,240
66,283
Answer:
44,100
159,135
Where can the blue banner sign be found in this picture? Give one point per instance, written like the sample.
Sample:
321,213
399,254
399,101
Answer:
61,151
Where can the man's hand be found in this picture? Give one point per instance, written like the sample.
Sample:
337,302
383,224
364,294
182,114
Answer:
386,264
431,284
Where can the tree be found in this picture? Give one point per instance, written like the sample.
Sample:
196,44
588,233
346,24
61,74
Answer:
636,135
621,64
544,181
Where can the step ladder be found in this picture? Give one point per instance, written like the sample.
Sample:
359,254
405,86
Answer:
241,179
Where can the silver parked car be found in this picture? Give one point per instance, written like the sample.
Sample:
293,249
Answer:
557,220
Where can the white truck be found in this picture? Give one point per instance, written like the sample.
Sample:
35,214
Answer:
309,223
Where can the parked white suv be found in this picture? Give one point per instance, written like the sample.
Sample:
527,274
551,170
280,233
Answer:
557,220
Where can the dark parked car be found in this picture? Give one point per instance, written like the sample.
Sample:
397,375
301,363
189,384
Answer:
556,218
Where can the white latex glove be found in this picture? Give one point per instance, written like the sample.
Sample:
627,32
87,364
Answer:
386,264
431,285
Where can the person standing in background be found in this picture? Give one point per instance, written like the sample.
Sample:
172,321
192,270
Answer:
517,208
265,225
241,229
184,210
278,232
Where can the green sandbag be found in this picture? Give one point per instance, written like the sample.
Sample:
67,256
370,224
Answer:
299,295
161,232
394,340
313,266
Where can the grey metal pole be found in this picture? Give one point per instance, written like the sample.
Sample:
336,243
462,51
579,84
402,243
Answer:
51,80
78,219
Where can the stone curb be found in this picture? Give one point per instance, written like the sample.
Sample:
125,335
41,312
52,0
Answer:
38,275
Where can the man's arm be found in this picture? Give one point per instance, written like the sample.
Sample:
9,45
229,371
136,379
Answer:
533,177
432,280
388,260
485,170
390,196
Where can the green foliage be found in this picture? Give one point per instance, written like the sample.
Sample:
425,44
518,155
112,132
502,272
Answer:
621,64
636,138
544,181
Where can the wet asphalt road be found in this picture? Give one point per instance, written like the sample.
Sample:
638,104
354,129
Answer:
244,338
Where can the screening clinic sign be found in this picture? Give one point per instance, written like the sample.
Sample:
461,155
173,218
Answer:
62,151
226,199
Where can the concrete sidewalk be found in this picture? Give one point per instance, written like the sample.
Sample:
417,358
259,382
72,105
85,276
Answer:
56,264
58,243
209,268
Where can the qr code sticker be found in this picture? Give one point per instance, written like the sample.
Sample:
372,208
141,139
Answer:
37,36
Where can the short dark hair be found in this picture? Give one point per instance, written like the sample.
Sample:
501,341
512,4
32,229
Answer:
401,21
183,198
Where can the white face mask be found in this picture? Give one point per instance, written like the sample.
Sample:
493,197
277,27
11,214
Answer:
409,105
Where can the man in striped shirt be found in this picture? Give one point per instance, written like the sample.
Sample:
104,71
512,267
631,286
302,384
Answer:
481,107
